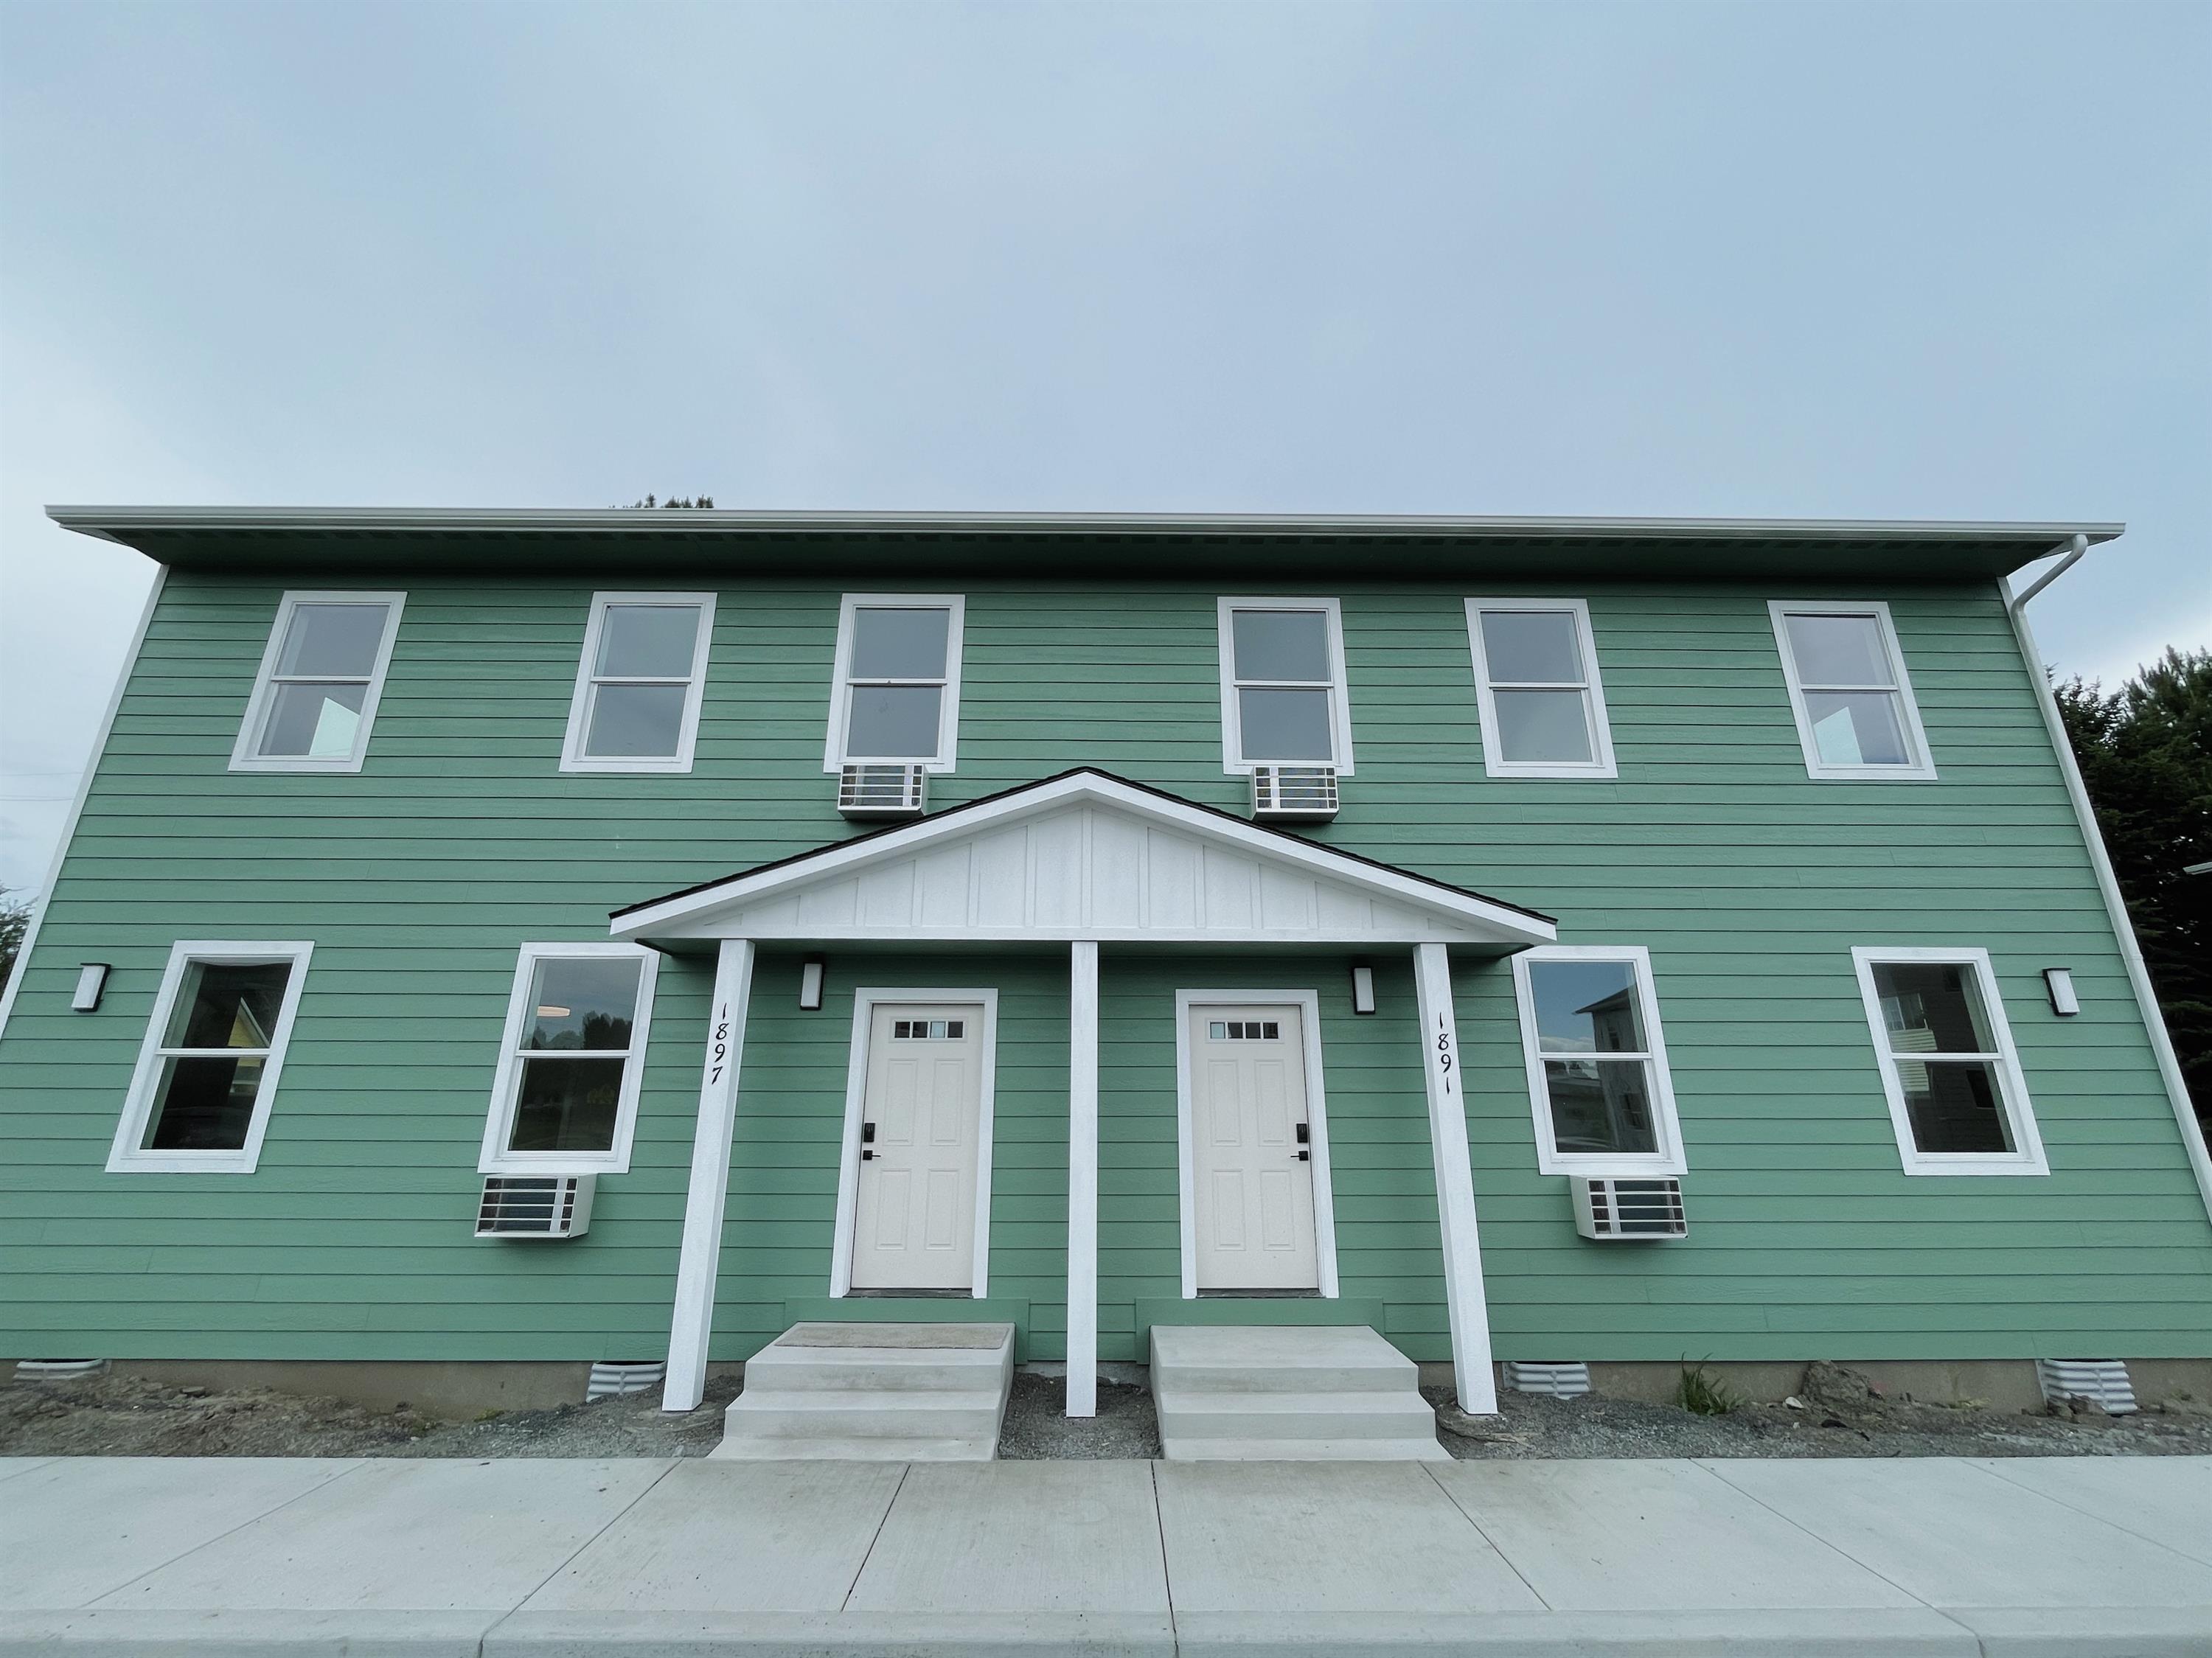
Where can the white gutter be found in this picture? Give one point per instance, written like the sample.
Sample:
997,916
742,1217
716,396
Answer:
2161,1044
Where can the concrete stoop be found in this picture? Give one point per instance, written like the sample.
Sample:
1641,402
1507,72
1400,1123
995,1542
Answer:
873,1392
1288,1394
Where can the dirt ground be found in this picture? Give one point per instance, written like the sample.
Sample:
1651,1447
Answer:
131,1416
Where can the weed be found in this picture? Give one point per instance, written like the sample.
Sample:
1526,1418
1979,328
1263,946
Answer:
1702,1394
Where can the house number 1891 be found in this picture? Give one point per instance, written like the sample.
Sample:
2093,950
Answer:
1444,1051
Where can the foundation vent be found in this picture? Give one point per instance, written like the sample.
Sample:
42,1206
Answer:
57,1370
887,791
1294,794
536,1206
613,1380
1559,1380
2104,1380
1626,1211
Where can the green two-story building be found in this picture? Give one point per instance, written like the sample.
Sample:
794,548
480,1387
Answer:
514,938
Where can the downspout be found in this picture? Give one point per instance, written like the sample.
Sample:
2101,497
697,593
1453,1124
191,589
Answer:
2161,1045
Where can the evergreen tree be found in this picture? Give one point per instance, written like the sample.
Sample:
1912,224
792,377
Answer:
15,919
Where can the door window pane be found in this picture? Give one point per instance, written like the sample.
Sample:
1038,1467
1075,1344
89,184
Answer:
318,721
1543,726
1536,647
1285,725
1586,1007
648,641
1954,1105
636,721
203,1104
582,1004
893,722
1933,1008
1280,645
568,1105
1600,1105
332,641
1839,650
227,1005
1856,728
900,644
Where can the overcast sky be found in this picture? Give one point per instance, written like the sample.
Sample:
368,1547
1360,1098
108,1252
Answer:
1926,261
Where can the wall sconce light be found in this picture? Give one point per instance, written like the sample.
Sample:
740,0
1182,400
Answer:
1363,989
91,985
2058,983
810,985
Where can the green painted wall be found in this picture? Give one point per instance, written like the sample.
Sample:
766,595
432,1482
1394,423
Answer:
418,878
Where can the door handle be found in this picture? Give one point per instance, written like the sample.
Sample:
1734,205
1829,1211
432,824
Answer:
1305,1157
866,1154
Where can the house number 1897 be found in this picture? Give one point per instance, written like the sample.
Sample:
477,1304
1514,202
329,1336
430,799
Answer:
718,1045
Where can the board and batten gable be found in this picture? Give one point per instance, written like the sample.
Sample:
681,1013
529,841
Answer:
460,838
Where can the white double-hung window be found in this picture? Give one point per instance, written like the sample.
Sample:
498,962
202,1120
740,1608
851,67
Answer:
1536,684
1957,1098
207,1072
1598,1078
571,1060
316,694
1284,700
640,683
895,692
1855,715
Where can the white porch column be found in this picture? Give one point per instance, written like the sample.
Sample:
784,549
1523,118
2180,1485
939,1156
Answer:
1083,1179
697,1267
1463,1293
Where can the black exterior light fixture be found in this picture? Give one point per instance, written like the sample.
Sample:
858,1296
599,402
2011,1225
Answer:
2058,985
1363,988
91,985
810,985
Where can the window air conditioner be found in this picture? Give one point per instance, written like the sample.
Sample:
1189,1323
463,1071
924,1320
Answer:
1624,1211
536,1206
1294,794
881,791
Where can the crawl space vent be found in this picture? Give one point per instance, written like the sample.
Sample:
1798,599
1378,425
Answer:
1559,1380
611,1380
2104,1380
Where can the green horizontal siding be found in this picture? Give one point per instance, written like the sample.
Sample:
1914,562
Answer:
418,878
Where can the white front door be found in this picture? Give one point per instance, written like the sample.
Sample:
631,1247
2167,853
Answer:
913,1216
1251,1159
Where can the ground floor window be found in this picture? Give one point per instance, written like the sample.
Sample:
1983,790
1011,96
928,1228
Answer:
207,1073
1598,1079
1957,1099
571,1061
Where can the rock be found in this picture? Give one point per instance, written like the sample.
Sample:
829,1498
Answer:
193,1393
1454,1420
2186,1407
1794,1402
1838,1387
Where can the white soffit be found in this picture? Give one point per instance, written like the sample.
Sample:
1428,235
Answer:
1084,856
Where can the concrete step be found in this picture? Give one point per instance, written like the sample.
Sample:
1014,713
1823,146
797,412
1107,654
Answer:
1288,1392
874,1392
1319,1415
893,1415
1307,1450
837,1449
1339,1358
820,1369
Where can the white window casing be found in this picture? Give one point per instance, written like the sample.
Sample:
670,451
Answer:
1906,1053
516,1054
586,748
1502,686
314,698
1646,1063
1828,698
1255,677
838,750
165,1051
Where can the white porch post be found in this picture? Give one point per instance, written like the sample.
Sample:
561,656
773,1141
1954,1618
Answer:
1083,1179
695,1269
1463,1293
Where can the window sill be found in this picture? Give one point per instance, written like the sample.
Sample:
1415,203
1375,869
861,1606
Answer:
554,1166
183,1162
296,764
1592,1168
1963,1163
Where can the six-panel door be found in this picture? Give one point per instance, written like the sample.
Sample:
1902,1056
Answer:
1251,1167
914,1224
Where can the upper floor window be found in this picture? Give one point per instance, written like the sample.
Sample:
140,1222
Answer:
1536,684
1855,715
1597,1063
321,676
640,683
895,695
1957,1099
571,1064
207,1071
1284,700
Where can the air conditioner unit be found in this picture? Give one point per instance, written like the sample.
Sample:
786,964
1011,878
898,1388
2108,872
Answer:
536,1206
881,791
1626,1210
1294,794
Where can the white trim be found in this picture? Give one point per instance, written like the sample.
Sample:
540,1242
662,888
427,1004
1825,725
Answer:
675,916
1922,768
1592,687
124,1156
507,1081
572,758
691,1321
2115,909
76,804
1465,1299
948,710
243,757
864,1000
1669,1157
1308,1002
2012,1085
1083,1179
1340,689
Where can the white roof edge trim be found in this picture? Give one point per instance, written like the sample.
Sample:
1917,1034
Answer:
106,521
1086,787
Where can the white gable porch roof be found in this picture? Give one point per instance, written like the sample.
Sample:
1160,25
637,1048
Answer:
1083,856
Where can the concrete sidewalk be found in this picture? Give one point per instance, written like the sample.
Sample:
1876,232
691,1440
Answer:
2081,1557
